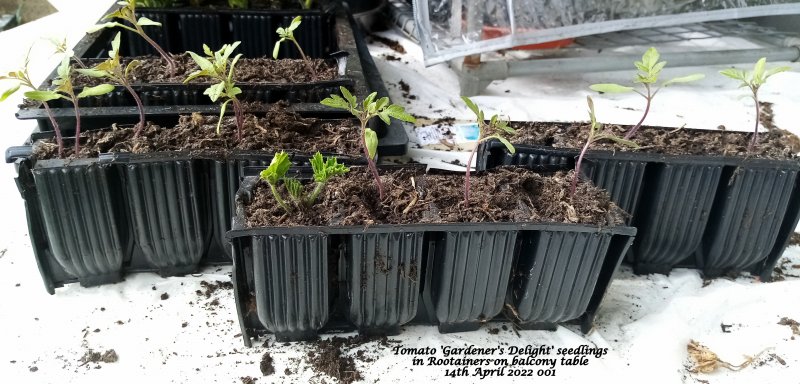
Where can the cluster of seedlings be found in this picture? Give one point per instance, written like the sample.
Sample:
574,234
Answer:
219,67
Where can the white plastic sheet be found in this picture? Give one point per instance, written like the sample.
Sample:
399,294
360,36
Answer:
455,28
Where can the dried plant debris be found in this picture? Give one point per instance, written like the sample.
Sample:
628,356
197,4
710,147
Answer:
706,361
91,356
791,323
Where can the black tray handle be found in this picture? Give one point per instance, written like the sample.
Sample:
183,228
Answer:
20,152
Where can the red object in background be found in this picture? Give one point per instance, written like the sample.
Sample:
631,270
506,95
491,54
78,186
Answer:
490,32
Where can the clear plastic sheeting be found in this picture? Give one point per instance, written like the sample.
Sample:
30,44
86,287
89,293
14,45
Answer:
455,28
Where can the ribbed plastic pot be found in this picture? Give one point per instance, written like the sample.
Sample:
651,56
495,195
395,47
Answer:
470,276
383,279
745,225
85,225
187,29
562,273
467,270
171,224
718,214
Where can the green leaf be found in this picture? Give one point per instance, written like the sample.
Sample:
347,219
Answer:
235,91
335,101
295,23
133,64
610,88
99,90
233,65
143,21
195,75
215,91
91,72
617,140
684,79
114,52
368,100
733,73
348,96
63,68
472,106
202,62
294,187
758,71
43,95
9,92
657,68
222,109
318,166
372,142
98,27
277,49
650,57
277,169
509,146
399,113
776,70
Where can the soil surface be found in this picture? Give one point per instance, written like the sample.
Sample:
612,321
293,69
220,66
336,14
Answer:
500,195
279,129
248,70
774,143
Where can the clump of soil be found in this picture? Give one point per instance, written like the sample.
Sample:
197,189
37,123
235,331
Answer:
266,365
791,323
248,380
393,44
280,129
500,195
248,70
109,356
210,287
164,296
331,356
775,143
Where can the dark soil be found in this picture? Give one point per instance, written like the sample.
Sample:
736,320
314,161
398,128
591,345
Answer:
109,356
765,115
393,44
791,323
774,143
278,130
164,296
248,380
210,287
332,357
266,365
500,195
248,70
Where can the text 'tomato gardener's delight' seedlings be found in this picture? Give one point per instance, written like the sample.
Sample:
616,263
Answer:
216,67
649,70
128,13
753,80
112,69
65,90
324,169
497,128
287,34
596,133
22,78
365,111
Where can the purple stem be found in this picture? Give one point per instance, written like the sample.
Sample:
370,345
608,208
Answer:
370,163
305,59
56,128
638,125
170,62
140,126
77,125
574,186
466,180
754,141
237,110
